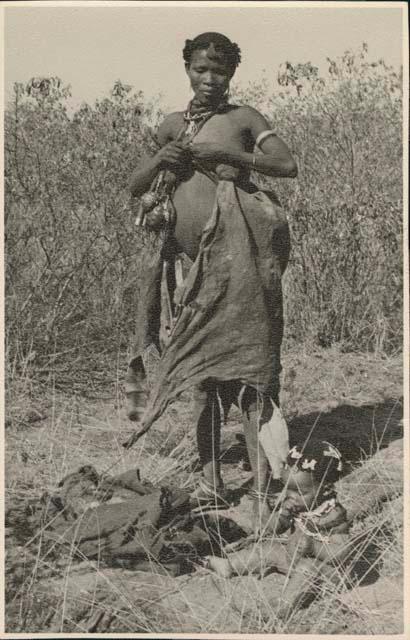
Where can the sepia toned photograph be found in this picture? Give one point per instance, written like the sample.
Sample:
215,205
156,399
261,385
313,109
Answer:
205,280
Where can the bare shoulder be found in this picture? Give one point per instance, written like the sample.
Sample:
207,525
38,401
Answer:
247,115
250,121
170,127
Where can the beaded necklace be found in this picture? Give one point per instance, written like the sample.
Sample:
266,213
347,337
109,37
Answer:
196,115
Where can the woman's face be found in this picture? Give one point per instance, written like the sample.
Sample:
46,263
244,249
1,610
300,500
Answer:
209,77
301,490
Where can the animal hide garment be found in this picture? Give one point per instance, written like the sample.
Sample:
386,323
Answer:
229,322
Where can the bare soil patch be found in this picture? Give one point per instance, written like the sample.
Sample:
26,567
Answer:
352,400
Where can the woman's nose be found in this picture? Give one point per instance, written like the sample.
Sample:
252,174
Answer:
209,78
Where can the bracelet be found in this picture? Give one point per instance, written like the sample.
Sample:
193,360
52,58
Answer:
262,136
254,161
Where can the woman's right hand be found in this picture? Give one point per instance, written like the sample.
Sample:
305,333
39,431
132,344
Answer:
173,155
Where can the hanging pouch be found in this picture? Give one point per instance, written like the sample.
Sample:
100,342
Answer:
156,210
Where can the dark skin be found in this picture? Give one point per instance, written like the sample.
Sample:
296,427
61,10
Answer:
225,145
306,562
209,81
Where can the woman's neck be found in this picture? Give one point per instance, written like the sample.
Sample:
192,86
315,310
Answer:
196,107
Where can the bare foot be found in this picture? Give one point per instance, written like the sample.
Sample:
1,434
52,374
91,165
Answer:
221,566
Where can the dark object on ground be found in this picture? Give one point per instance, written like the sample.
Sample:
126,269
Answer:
122,521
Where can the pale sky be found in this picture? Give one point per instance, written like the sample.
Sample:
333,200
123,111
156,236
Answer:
91,47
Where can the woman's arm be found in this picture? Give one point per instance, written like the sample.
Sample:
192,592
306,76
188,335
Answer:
143,176
172,155
275,160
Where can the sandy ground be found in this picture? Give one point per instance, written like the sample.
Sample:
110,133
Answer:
352,400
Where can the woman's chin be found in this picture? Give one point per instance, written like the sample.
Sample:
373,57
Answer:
208,99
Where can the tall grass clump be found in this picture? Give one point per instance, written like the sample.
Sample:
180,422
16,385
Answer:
73,258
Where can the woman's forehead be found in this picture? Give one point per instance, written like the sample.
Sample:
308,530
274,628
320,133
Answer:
209,56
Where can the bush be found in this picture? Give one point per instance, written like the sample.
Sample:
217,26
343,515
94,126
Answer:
344,281
72,256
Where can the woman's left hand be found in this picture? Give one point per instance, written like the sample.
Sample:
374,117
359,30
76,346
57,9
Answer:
207,152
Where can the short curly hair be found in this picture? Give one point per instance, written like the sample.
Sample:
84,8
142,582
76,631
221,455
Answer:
222,44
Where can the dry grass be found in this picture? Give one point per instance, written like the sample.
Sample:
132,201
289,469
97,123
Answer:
72,288
73,278
50,433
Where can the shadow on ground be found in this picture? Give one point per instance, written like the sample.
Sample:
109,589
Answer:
357,431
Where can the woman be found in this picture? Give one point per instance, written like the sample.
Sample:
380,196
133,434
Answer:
214,140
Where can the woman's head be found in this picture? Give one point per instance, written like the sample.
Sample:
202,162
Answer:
210,61
310,471
218,46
